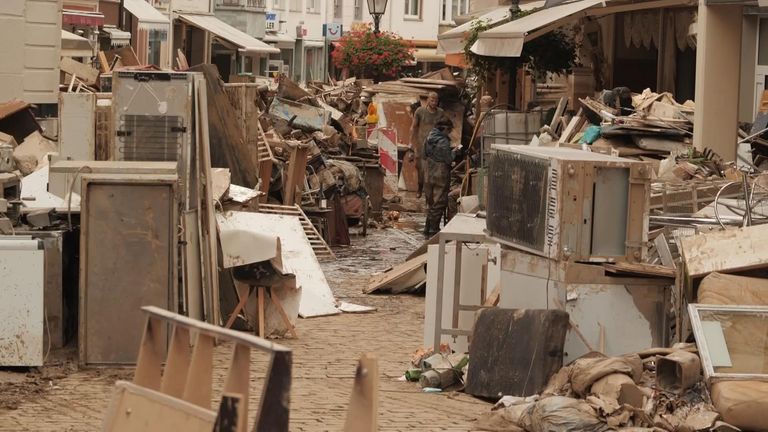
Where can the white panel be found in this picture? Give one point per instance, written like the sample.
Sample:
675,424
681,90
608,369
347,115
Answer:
298,258
522,291
77,126
718,349
42,34
41,57
625,329
472,261
21,308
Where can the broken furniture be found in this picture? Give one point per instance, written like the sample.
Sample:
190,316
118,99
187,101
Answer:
22,269
611,313
162,399
128,259
515,351
568,204
461,281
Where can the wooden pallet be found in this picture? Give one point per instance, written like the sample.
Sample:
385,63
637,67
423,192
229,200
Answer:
321,248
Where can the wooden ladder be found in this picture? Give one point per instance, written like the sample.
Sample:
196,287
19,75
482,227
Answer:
319,246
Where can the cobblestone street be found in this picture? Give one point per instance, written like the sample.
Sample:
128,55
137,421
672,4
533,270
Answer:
325,356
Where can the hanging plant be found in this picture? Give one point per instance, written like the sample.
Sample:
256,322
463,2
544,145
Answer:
553,52
370,55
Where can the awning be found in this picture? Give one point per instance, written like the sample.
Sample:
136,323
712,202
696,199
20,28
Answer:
507,39
149,17
313,43
73,45
428,55
452,41
278,37
222,30
79,18
117,37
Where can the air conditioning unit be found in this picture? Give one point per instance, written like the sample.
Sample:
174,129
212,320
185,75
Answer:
152,115
568,204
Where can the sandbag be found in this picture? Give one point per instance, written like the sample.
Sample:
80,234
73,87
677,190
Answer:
723,289
562,414
585,371
742,403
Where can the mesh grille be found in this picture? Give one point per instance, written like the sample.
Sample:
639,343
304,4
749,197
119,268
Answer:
517,199
149,137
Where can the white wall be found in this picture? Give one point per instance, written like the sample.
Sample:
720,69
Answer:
312,21
31,35
203,6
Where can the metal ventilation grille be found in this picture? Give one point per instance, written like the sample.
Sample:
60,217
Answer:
517,199
149,137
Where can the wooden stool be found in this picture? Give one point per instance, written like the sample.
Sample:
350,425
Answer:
243,292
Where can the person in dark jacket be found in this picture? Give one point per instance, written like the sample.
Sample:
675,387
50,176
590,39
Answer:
438,155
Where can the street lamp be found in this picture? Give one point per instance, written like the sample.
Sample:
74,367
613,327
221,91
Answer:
376,8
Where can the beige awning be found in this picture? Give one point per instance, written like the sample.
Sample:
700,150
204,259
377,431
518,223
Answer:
226,32
428,55
507,39
452,41
73,45
149,17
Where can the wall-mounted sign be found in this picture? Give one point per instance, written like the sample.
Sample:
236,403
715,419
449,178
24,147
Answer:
272,21
332,31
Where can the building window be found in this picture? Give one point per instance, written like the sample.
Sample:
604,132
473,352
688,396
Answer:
450,9
338,8
413,8
312,6
296,5
358,10
279,4
156,39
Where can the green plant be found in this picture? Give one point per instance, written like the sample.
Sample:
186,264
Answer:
370,55
552,52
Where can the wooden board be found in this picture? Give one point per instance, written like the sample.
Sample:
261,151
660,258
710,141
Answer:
135,408
228,148
82,71
640,269
725,251
399,278
515,351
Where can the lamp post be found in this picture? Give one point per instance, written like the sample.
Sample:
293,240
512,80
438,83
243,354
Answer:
376,8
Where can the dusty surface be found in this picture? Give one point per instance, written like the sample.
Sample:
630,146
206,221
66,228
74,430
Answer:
58,398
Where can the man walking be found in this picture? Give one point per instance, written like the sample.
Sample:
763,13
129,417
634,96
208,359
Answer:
424,120
438,155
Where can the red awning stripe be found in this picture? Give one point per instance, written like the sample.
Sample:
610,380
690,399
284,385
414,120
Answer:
82,19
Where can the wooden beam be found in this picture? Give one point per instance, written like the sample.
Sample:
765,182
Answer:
297,167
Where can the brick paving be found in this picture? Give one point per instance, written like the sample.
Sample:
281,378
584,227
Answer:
325,356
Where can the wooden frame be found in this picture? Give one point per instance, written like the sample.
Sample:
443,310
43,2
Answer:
186,382
694,310
169,181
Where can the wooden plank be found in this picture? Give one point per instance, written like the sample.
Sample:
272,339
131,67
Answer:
135,408
725,251
362,414
297,167
228,149
393,275
84,72
662,247
641,269
562,104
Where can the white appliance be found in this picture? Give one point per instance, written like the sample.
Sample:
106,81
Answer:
568,204
22,269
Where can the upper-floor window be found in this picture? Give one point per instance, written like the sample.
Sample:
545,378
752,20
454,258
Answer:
295,5
312,6
278,4
413,8
358,10
338,8
450,9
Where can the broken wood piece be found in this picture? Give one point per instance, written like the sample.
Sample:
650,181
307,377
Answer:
362,414
86,73
400,278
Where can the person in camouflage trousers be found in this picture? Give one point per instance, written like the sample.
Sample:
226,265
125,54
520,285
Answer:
438,155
